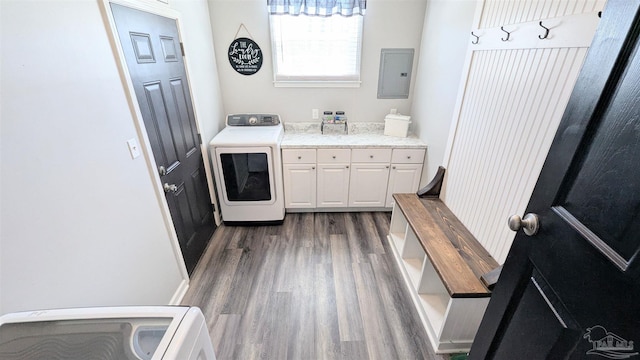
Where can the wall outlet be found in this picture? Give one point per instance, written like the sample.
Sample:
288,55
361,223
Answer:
393,111
315,114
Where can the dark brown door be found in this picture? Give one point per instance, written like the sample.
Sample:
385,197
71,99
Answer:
572,291
152,50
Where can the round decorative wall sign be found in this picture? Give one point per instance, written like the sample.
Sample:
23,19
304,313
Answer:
245,56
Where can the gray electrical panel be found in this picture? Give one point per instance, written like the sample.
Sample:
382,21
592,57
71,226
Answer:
395,73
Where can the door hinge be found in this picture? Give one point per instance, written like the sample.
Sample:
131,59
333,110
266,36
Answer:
182,48
200,138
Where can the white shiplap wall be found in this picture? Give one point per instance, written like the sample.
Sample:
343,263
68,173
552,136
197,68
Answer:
509,109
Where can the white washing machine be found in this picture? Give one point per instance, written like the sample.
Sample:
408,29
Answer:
122,333
248,169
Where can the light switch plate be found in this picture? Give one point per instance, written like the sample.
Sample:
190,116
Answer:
315,114
134,148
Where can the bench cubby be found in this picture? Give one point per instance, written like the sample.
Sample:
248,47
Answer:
441,263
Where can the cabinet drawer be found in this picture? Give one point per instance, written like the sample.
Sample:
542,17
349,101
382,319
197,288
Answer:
408,156
328,156
299,156
371,155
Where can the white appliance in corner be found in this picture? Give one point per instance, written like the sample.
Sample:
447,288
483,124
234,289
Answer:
122,333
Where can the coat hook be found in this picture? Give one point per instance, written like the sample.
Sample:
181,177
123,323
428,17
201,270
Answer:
508,34
546,32
477,38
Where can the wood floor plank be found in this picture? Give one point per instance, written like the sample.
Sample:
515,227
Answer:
326,224
280,319
349,320
254,328
327,339
212,297
362,236
406,333
354,350
320,286
251,261
224,324
302,328
376,330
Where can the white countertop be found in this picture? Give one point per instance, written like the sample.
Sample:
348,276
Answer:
360,135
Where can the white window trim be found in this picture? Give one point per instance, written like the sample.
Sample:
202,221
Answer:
314,82
317,84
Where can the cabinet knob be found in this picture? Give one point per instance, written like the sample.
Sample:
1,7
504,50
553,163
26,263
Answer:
334,156
387,166
313,168
347,166
394,168
409,157
371,156
299,157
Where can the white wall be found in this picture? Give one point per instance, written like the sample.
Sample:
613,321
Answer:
200,60
445,39
80,222
387,24
201,64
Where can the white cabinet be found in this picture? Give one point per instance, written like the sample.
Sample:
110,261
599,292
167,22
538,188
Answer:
405,172
368,186
349,178
299,176
369,177
333,178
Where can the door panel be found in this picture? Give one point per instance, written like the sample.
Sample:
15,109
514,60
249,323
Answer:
538,307
152,52
595,192
189,131
572,290
157,110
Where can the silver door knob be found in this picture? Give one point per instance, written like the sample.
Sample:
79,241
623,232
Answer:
170,187
529,224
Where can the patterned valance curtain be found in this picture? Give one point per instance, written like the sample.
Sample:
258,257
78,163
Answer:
317,7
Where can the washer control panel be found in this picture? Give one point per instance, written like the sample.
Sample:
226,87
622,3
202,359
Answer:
253,120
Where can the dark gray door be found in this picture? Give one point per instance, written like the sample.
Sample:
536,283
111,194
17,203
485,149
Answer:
153,53
572,291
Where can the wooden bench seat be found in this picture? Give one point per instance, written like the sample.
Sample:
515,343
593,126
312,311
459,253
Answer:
442,264
458,258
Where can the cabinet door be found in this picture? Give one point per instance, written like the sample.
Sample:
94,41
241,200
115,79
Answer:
333,185
299,185
368,185
403,178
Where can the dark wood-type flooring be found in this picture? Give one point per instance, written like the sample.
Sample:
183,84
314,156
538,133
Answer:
320,286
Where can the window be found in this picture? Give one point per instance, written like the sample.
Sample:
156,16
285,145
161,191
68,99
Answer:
316,51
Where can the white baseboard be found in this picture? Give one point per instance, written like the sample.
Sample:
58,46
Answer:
180,292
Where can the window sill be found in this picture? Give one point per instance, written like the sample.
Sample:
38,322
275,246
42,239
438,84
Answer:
318,84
